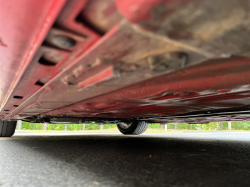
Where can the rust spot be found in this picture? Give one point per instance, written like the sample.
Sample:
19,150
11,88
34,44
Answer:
121,66
165,62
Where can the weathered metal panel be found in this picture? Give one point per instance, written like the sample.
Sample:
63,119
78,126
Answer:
146,59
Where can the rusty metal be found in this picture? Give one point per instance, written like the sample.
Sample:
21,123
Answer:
153,60
165,62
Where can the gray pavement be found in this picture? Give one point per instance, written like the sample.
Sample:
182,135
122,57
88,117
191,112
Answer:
111,159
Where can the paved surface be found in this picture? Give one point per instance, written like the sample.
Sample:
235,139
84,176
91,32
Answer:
110,159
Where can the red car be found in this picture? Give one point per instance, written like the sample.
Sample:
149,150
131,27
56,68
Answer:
128,62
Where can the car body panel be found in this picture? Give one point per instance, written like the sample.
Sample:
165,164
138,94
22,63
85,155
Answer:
154,60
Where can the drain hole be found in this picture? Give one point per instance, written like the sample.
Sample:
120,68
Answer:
41,82
15,105
6,110
80,20
44,61
50,58
18,97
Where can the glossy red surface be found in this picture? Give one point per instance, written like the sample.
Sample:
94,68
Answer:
24,24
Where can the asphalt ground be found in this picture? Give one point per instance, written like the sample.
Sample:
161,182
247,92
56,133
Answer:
111,159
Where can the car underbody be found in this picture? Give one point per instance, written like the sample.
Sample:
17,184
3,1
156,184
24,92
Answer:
119,61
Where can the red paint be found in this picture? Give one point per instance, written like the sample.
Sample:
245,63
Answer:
2,43
111,108
147,89
92,79
110,10
176,95
24,34
97,78
223,90
223,98
149,13
137,10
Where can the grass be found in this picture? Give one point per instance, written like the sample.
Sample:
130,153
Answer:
149,130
